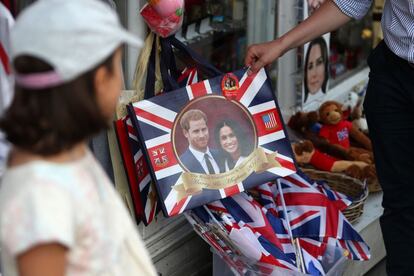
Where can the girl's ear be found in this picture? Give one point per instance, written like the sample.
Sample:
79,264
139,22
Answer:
100,79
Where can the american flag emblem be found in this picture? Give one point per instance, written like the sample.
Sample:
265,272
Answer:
269,121
155,118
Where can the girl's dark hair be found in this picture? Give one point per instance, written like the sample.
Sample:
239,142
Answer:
48,121
324,51
245,147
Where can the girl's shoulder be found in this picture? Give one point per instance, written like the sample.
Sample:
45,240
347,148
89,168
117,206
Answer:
43,176
37,196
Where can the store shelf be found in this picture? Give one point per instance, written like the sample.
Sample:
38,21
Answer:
369,228
340,91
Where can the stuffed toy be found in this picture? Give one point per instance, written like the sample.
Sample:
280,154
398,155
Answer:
305,153
307,126
350,103
338,131
358,121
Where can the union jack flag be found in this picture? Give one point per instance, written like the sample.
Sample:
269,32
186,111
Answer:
188,76
313,215
266,194
311,249
249,237
129,167
155,119
142,189
250,228
143,182
243,207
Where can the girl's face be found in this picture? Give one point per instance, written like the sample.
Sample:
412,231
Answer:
315,70
108,85
228,140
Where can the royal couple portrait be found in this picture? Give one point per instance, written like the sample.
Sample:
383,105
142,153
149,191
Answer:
230,140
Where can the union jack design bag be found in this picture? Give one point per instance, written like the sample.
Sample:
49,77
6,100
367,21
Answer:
212,139
141,186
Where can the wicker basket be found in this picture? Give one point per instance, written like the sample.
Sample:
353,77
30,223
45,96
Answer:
347,185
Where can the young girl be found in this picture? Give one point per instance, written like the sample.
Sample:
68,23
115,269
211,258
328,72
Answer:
60,215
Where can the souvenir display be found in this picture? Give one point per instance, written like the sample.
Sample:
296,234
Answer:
329,148
213,139
305,153
338,131
293,226
141,186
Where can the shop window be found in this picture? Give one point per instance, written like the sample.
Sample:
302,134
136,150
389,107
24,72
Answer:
350,46
217,31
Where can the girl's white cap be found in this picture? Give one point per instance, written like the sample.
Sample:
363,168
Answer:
73,36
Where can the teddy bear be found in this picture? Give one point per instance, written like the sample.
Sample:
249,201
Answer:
307,126
338,131
305,153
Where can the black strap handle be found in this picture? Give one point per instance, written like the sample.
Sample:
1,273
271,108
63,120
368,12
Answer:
168,66
201,63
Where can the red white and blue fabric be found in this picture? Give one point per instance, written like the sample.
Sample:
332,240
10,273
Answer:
143,177
313,215
334,195
127,159
324,188
250,236
267,193
155,119
188,76
269,253
250,239
312,265
310,248
244,208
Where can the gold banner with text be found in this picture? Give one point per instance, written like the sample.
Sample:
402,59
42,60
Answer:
193,183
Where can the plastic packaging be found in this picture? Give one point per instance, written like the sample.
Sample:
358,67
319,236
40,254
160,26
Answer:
334,263
164,17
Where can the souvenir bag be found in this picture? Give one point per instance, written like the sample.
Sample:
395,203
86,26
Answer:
141,191
185,137
141,187
123,163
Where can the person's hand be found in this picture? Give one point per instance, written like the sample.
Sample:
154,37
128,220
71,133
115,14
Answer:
314,4
260,55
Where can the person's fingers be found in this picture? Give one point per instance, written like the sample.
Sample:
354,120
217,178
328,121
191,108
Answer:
311,3
251,55
257,65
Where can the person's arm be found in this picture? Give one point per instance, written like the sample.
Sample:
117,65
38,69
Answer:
328,17
43,260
